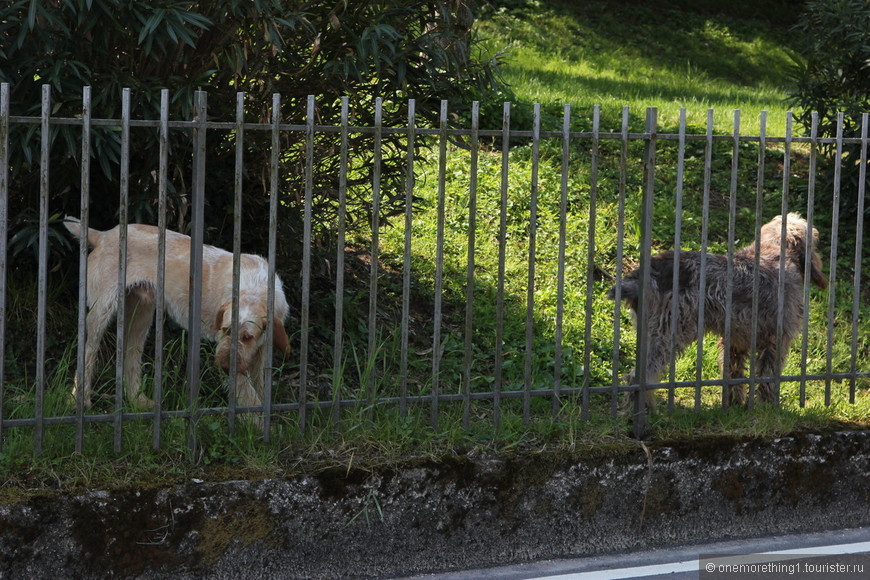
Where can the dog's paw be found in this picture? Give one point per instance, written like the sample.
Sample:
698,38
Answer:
735,396
626,405
143,403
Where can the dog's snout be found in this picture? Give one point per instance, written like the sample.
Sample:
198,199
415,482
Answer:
224,365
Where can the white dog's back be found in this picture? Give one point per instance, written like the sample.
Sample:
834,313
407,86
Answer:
142,244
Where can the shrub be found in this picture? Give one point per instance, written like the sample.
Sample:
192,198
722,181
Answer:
833,75
395,50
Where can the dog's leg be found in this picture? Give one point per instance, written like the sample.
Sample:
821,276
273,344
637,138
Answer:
770,365
660,352
99,316
736,369
629,402
249,385
139,311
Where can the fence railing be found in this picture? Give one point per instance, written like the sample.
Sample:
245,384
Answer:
497,284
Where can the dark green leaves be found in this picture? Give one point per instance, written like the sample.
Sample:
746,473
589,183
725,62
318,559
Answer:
395,50
832,75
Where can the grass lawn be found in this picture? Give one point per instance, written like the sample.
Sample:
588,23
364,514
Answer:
643,54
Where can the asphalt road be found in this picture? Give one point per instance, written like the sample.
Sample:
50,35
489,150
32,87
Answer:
851,547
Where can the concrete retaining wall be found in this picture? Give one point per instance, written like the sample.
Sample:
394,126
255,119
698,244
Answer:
435,516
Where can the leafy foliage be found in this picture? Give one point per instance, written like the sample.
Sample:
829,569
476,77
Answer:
833,76
394,50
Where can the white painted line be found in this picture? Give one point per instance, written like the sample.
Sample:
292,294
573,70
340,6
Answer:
619,573
692,565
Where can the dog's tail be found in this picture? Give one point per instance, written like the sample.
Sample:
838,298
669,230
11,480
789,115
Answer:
74,225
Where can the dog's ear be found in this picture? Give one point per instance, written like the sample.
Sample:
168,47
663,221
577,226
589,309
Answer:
280,338
798,247
817,277
219,317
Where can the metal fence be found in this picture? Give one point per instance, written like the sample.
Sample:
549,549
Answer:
626,179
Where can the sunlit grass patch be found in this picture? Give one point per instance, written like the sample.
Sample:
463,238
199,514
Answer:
598,53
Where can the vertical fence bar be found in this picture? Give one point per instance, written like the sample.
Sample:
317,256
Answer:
702,282
678,233
338,339
780,302
439,264
756,271
84,218
729,270
4,225
238,177
274,189
406,263
649,161
859,239
121,332
305,306
197,228
811,193
45,136
649,166
160,307
530,287
832,264
620,243
469,273
375,253
590,260
560,274
498,379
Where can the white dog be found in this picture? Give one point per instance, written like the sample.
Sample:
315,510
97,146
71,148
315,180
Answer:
217,284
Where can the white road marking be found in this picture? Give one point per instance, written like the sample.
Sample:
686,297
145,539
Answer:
692,565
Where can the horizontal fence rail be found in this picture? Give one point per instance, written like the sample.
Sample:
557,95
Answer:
498,282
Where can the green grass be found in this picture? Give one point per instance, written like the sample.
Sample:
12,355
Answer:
585,54
642,54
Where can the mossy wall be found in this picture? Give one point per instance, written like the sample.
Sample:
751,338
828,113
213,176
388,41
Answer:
457,513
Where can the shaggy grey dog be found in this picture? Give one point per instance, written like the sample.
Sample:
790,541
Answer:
770,355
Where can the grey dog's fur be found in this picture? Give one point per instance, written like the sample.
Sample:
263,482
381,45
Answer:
770,355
